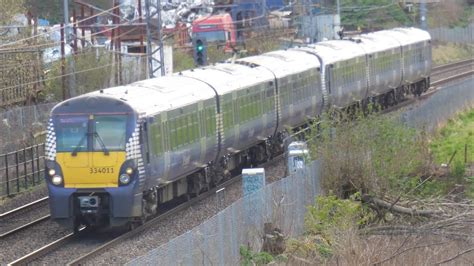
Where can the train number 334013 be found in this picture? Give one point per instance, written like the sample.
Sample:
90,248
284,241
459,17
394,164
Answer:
101,170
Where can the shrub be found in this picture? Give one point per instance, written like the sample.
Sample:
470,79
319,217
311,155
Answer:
370,154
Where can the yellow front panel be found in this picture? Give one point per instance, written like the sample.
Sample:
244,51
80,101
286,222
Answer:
90,169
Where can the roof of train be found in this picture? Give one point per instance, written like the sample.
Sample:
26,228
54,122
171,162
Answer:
405,36
229,77
283,63
159,94
188,87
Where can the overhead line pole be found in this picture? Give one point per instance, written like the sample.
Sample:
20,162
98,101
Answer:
154,64
67,32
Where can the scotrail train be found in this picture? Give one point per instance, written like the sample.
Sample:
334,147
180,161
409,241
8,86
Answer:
115,155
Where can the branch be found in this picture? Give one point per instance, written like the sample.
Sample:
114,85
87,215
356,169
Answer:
398,209
408,249
455,257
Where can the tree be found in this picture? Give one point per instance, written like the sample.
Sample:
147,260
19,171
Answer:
9,9
373,14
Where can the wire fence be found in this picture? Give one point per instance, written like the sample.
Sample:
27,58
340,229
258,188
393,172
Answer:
218,240
454,35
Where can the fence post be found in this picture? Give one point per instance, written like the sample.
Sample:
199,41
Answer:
17,166
25,167
33,172
38,162
465,154
6,174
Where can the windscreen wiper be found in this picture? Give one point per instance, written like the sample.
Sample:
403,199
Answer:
101,142
78,147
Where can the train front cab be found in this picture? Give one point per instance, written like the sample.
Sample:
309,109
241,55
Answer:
92,175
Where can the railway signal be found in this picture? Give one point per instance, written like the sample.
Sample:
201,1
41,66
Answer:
200,51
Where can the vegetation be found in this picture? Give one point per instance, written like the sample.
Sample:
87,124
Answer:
250,258
369,154
445,53
93,72
372,166
454,146
373,14
450,13
9,9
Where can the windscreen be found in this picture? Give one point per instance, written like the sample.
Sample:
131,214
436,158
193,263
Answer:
211,36
110,132
71,133
78,133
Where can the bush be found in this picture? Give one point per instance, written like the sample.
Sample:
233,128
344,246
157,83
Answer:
325,222
370,154
248,257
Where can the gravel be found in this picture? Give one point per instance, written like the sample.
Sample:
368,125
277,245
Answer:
18,245
24,217
38,192
449,73
82,245
175,225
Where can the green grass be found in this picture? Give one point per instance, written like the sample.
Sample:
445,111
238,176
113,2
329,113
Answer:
452,140
458,133
444,53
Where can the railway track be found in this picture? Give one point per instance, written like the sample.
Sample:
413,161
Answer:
70,238
452,67
63,241
21,210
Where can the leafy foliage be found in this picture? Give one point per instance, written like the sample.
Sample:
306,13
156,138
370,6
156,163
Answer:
94,71
8,10
248,257
373,14
324,222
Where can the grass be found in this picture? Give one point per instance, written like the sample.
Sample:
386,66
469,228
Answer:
454,137
456,142
444,53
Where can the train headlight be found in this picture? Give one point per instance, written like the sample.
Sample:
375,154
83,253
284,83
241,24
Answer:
51,172
124,179
129,171
57,180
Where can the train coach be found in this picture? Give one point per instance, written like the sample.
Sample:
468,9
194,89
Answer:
115,155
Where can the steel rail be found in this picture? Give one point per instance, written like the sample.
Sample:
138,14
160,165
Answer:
20,228
81,260
45,249
54,245
24,207
447,67
454,77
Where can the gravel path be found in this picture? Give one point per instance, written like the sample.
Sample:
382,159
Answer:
173,226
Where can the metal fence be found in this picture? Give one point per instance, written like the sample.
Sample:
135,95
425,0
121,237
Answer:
218,240
441,106
21,169
455,35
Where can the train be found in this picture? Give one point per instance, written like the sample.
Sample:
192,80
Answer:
115,156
